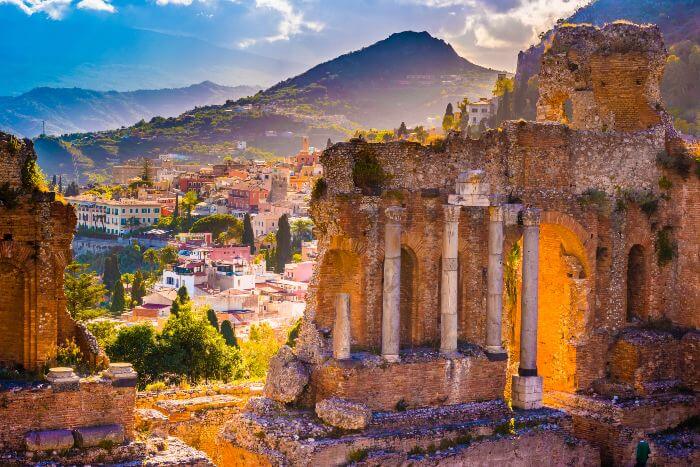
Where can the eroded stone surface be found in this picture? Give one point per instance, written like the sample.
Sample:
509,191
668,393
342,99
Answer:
343,414
287,377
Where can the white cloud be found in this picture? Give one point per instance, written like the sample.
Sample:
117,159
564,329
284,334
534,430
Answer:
517,25
174,2
292,22
97,5
54,9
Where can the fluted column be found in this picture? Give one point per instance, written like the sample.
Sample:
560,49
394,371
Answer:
449,285
341,327
527,386
391,312
529,300
494,299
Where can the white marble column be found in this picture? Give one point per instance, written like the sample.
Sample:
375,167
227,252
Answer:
527,386
450,281
341,327
494,299
391,312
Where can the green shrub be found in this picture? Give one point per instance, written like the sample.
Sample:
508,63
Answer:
666,248
156,387
293,334
357,455
68,354
319,189
368,174
679,163
594,197
665,183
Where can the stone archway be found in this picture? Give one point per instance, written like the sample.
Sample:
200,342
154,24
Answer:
636,283
409,297
564,308
12,306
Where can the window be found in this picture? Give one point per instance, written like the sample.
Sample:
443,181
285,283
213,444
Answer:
143,210
474,120
123,210
475,110
156,210
123,221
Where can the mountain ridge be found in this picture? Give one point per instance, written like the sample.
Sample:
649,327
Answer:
77,110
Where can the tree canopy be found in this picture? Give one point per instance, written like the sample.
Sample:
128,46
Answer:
84,292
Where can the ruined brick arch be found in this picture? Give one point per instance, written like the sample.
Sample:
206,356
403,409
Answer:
342,273
567,261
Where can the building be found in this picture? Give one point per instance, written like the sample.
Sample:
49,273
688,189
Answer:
190,274
114,217
246,196
480,110
299,272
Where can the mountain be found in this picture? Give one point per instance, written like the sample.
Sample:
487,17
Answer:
679,22
72,110
35,52
406,77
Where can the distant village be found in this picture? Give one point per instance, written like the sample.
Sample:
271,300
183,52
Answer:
234,280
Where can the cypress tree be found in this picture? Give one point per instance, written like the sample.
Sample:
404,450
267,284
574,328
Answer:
329,143
213,320
448,120
175,307
118,303
182,295
284,244
138,288
228,332
111,274
248,235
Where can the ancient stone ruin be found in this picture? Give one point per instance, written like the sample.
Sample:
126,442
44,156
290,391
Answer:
552,264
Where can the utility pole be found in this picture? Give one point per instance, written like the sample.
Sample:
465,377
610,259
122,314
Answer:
43,128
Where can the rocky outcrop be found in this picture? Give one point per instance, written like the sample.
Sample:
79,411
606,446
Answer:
287,377
344,414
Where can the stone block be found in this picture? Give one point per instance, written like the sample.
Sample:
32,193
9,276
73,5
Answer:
527,392
287,377
91,436
49,440
343,414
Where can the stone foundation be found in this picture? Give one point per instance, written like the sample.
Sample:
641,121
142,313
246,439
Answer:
485,433
422,378
37,407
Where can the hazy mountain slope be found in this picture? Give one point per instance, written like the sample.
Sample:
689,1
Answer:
406,77
679,21
38,53
73,110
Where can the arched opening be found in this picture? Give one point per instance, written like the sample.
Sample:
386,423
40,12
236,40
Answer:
341,273
563,305
11,315
408,297
636,283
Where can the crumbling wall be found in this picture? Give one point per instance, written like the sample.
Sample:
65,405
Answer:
92,402
602,78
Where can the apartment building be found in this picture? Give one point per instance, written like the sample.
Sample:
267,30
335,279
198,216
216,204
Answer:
114,217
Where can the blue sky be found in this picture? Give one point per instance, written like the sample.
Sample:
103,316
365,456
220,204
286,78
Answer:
487,32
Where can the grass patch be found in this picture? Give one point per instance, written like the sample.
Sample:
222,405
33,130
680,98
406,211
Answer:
665,183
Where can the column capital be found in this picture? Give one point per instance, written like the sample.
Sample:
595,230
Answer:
394,214
496,213
531,217
451,212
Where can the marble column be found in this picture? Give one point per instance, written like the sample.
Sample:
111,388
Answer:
527,386
341,327
494,299
450,280
391,311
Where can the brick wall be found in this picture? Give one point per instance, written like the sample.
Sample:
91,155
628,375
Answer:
431,382
97,402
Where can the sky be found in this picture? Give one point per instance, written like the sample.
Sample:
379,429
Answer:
307,32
